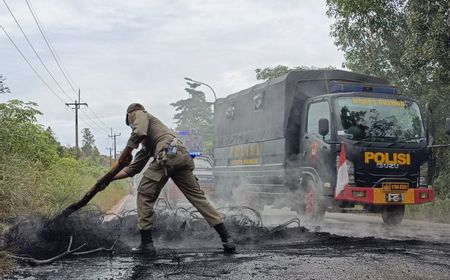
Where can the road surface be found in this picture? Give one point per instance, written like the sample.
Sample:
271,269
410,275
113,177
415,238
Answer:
346,246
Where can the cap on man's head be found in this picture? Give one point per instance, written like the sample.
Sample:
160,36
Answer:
131,108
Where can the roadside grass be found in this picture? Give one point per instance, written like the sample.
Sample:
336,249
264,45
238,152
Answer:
29,188
106,199
437,211
39,176
7,264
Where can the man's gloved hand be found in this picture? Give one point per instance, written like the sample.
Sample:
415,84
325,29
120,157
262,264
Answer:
126,157
128,160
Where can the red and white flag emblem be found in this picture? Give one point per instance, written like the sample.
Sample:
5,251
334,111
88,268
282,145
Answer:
342,176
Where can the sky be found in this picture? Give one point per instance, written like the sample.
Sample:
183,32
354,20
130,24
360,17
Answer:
119,52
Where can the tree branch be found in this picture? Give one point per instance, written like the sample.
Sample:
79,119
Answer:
34,261
69,251
101,249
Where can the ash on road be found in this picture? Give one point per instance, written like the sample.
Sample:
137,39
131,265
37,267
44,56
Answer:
320,256
346,246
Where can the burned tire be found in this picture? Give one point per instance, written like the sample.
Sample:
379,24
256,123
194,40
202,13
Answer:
314,208
393,214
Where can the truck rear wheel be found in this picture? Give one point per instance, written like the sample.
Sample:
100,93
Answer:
314,206
393,214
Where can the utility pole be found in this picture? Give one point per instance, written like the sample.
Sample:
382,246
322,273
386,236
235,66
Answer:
77,105
110,155
114,136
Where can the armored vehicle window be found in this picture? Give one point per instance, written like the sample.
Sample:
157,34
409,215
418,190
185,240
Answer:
317,111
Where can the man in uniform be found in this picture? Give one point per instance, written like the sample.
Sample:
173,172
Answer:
170,160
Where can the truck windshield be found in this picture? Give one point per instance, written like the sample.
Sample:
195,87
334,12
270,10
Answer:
379,119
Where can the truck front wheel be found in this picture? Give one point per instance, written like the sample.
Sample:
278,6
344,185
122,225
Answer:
393,214
314,204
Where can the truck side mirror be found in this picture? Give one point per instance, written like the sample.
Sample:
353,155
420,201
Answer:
324,127
447,126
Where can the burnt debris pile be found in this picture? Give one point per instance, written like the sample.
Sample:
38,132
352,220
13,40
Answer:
40,237
89,232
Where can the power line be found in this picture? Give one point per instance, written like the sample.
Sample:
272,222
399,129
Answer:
34,50
99,129
55,56
89,124
50,46
59,63
31,66
92,111
45,83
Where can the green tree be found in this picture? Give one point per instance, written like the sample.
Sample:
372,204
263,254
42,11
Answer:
64,152
33,178
280,70
88,147
405,42
195,114
3,87
21,135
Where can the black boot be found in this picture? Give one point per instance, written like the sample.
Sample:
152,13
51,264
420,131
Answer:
146,247
229,246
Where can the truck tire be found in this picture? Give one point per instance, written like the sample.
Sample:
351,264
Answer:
393,214
314,208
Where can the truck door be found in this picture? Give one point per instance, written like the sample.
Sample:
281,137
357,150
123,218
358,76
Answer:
316,152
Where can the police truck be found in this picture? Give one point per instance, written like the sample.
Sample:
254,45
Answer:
324,140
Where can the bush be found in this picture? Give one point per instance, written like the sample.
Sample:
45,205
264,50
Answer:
437,211
29,187
40,177
35,176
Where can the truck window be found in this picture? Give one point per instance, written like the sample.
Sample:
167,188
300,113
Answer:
317,111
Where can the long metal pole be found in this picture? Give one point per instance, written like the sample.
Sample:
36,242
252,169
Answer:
215,96
205,84
77,105
76,129
114,136
214,105
110,155
115,153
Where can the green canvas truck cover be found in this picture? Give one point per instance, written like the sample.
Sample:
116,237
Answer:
262,112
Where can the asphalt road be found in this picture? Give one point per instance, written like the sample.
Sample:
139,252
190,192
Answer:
345,259
345,224
346,246
368,225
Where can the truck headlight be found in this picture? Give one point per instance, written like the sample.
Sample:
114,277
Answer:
423,175
351,170
424,195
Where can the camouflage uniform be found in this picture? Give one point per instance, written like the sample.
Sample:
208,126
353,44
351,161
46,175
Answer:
155,137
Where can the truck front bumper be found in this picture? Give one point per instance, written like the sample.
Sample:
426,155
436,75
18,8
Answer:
378,196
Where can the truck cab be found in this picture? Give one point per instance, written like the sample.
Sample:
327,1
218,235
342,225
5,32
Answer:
369,147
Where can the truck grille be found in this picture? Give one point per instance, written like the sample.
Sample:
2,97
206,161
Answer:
366,178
